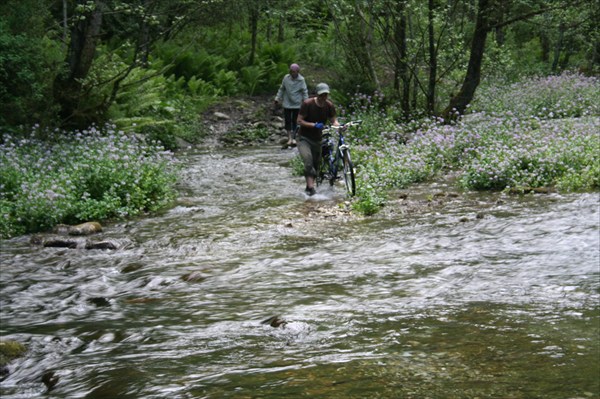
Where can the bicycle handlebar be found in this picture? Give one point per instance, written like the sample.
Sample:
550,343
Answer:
342,126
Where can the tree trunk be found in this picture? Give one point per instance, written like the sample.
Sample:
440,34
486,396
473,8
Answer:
545,44
366,41
254,31
145,39
460,101
281,30
415,94
432,62
402,75
65,24
558,47
595,59
82,48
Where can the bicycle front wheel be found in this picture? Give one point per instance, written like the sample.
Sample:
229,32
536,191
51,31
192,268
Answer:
349,173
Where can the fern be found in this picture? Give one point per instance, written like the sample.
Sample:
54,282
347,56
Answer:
252,76
226,82
200,87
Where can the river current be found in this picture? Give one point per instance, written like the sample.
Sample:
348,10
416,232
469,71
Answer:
487,295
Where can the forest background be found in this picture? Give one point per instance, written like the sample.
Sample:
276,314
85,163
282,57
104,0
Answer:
108,85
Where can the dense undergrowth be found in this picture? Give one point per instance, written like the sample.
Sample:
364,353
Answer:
542,132
96,174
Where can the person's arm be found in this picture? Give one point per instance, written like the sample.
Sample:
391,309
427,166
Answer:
304,90
279,95
301,115
304,123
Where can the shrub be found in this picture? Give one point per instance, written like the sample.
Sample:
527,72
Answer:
92,174
510,150
550,97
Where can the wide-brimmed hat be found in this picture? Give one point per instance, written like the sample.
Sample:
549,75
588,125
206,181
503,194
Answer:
322,88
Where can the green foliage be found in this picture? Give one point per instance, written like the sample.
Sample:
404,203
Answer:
10,350
78,176
566,95
369,200
511,150
159,107
252,77
26,65
226,82
190,61
297,166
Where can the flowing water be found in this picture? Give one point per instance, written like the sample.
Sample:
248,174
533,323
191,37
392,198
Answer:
480,296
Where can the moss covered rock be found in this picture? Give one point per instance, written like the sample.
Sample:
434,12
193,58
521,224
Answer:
10,350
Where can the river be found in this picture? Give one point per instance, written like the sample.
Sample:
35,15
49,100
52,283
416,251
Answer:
470,295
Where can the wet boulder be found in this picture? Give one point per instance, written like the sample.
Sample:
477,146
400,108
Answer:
112,244
274,321
49,379
85,229
60,242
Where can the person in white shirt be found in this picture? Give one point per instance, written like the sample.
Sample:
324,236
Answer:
291,94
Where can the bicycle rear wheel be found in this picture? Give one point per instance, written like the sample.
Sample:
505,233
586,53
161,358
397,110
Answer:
349,180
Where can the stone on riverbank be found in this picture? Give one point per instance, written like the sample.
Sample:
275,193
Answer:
82,229
85,229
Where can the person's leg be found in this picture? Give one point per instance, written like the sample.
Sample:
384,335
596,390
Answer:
305,148
316,158
287,115
294,124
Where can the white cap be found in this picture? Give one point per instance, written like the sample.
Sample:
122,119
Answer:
322,88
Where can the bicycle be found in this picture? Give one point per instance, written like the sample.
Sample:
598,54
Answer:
337,157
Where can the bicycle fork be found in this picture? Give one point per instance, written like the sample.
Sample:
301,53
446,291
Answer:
339,159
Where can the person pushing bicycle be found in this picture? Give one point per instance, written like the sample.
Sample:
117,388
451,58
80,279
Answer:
313,115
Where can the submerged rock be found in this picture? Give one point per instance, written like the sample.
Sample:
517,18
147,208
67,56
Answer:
131,267
72,242
50,379
60,242
275,321
193,277
99,301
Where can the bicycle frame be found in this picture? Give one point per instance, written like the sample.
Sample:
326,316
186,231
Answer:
335,157
332,154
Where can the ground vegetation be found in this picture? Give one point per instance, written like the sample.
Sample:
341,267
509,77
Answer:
504,91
